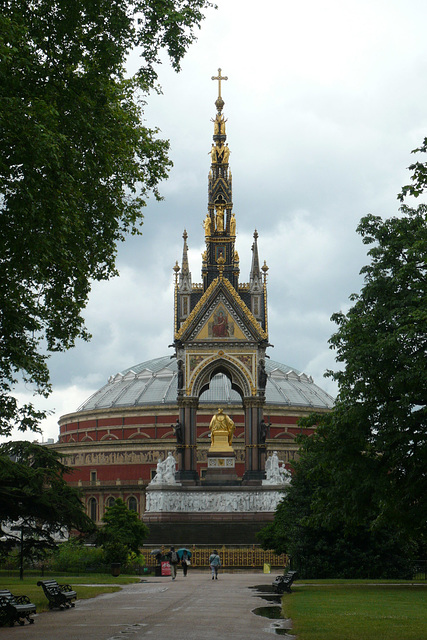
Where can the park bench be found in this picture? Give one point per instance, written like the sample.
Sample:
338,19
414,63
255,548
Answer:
283,583
59,595
15,608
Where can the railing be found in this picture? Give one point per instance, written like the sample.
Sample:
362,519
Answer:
231,557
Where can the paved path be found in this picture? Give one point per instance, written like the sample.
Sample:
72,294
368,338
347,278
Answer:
191,608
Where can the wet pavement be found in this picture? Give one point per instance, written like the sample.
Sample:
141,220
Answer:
191,608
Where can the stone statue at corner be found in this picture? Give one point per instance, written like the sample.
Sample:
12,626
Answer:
275,470
165,471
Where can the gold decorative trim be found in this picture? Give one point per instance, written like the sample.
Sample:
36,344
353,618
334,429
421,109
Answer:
246,311
196,309
265,307
249,315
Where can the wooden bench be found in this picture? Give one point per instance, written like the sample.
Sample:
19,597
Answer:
60,596
283,583
15,608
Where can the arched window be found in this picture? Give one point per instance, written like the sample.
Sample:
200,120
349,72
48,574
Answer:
110,501
93,509
132,504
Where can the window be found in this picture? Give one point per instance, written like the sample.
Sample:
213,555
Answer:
93,477
93,508
132,504
110,501
185,306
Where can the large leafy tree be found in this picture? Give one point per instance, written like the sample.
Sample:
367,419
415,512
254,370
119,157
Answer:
363,475
76,164
382,344
325,545
35,500
122,533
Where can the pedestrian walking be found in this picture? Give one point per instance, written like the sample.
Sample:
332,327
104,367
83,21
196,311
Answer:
185,561
172,556
214,563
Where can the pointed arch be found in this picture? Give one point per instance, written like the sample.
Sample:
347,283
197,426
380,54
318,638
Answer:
240,381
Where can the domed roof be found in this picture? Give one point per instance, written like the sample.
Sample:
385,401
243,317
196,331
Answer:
155,383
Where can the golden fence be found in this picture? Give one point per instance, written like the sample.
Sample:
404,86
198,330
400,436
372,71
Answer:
231,557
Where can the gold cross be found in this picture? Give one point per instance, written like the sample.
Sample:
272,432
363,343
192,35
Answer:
219,77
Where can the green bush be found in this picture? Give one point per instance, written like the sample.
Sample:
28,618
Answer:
74,555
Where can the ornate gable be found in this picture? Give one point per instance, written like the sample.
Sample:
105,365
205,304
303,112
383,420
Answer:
221,315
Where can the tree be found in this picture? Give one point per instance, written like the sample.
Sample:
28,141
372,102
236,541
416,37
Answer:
327,547
361,478
35,501
76,165
382,342
122,534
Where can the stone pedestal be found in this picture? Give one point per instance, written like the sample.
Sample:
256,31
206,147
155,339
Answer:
212,515
220,443
221,468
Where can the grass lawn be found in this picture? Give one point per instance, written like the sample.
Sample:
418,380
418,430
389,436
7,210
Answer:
28,586
358,612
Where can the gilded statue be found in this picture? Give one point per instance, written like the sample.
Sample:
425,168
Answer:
214,153
219,124
220,219
233,225
207,223
226,154
222,423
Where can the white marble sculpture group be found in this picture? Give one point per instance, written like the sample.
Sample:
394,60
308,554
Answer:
165,471
275,471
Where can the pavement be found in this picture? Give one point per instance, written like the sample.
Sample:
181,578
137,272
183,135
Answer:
191,608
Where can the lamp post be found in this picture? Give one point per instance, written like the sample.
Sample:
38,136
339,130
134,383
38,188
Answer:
21,550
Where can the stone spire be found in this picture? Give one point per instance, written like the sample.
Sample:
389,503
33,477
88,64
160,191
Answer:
220,222
185,274
255,278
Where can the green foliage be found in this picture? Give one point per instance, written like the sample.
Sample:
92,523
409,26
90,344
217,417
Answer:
76,165
73,555
122,534
320,541
382,342
35,497
358,498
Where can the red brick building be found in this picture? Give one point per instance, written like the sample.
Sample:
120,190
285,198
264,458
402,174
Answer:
116,437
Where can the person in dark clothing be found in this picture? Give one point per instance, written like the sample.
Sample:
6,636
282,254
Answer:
172,556
185,561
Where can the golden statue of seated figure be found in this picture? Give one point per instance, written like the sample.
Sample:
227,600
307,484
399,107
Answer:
222,428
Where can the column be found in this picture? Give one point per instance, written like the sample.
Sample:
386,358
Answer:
187,466
254,451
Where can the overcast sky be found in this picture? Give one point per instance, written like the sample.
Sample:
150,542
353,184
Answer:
324,101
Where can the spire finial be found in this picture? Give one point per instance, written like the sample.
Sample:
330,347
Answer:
219,102
185,267
255,275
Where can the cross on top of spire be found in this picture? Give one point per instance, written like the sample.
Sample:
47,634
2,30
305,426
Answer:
219,101
219,77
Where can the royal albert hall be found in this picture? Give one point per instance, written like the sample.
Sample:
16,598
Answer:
220,336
